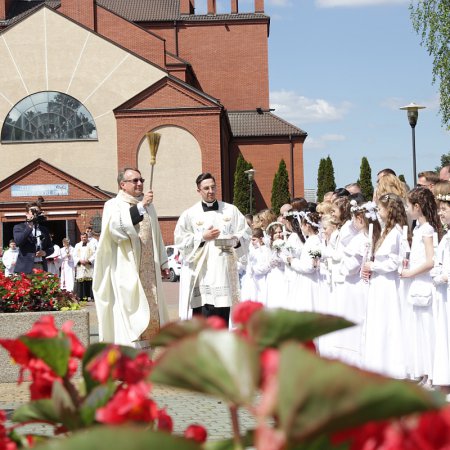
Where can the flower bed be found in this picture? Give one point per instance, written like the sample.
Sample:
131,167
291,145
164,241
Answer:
24,299
304,402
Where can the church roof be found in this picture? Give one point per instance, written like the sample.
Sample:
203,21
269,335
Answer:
260,123
132,10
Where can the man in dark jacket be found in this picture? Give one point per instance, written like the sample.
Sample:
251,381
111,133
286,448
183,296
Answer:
33,241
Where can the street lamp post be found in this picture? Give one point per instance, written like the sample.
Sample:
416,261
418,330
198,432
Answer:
251,176
413,114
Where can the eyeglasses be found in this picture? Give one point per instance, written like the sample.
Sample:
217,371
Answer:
135,180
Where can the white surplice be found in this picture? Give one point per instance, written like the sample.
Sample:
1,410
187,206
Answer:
122,307
213,273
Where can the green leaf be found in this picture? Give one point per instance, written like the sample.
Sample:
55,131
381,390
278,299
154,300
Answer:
213,362
319,396
55,352
98,397
272,327
177,330
36,411
129,438
321,443
64,407
228,444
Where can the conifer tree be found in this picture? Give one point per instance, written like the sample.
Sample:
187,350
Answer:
241,191
365,179
329,183
280,188
320,179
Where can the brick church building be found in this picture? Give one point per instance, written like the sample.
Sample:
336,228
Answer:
82,81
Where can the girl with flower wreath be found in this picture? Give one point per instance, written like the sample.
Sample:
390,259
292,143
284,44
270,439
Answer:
441,307
421,207
384,349
307,266
254,282
292,251
352,294
276,286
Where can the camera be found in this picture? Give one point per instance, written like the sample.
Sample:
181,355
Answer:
38,216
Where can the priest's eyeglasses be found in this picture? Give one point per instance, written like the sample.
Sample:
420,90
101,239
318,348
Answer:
135,180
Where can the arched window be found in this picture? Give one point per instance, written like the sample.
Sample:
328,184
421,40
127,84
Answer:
48,116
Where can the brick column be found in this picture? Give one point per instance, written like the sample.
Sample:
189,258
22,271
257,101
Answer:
259,6
212,7
234,6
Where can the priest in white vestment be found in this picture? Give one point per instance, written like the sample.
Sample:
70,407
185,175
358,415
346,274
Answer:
130,259
213,286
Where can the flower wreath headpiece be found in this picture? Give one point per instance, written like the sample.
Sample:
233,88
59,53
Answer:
305,215
273,224
443,198
369,209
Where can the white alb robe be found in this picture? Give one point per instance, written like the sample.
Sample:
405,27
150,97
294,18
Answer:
213,273
122,307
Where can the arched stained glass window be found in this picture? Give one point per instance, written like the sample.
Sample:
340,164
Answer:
48,116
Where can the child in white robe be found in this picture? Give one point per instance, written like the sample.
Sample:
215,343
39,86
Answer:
441,305
254,285
384,350
307,266
422,208
276,286
353,292
292,251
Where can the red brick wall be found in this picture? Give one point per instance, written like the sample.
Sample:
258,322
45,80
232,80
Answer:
130,36
229,60
82,11
266,158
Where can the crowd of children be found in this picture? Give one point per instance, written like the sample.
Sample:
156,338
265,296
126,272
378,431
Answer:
382,264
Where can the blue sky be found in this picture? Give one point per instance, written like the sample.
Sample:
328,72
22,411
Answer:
340,70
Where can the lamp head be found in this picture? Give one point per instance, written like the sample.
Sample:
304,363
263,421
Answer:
250,174
413,113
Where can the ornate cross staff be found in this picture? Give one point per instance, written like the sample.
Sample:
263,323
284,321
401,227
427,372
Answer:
153,142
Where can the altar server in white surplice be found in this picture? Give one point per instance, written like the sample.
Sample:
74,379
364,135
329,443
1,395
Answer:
130,259
214,283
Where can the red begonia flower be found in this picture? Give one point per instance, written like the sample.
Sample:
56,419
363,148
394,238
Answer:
244,310
76,347
43,328
216,322
196,433
129,404
165,422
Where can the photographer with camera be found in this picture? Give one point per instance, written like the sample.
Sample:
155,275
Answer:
33,240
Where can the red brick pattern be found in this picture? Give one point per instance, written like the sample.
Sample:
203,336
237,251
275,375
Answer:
82,11
230,60
130,36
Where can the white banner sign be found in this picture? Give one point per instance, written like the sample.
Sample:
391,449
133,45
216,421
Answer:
36,190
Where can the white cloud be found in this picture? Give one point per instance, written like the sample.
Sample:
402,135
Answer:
394,103
321,142
299,110
357,3
279,2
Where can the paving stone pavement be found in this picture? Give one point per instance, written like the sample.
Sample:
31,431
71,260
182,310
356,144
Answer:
184,407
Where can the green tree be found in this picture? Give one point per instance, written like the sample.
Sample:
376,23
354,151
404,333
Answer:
329,184
365,179
241,191
401,177
445,161
320,177
431,20
280,188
